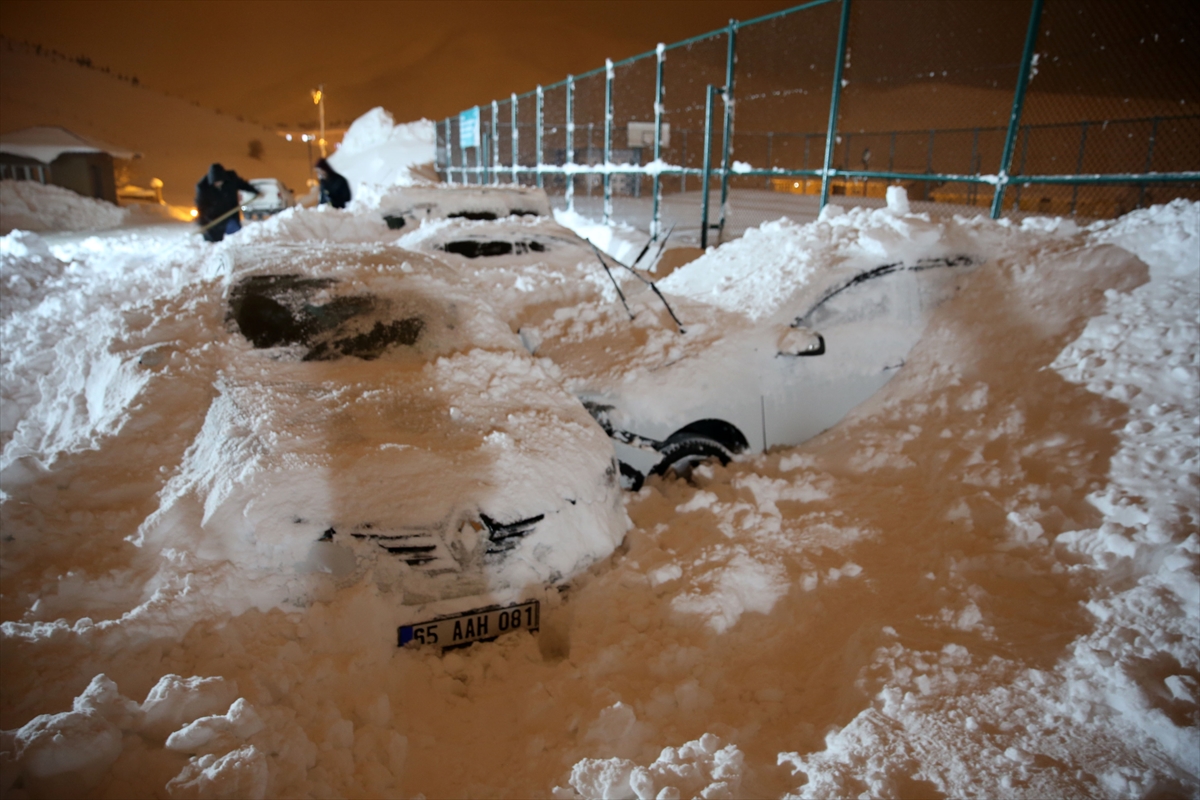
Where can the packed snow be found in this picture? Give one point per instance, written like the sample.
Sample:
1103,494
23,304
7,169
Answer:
982,582
377,153
32,206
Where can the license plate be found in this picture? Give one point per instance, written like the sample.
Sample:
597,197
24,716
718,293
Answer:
472,626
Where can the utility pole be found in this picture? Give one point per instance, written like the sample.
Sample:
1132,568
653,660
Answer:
318,97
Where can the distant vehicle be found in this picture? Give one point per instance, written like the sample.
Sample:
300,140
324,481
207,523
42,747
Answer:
273,197
412,204
379,420
136,194
672,400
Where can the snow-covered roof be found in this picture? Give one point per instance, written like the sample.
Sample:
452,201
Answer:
46,143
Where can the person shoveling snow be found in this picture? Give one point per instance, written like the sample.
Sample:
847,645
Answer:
217,202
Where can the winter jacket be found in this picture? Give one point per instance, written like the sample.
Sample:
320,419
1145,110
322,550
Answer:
211,200
335,190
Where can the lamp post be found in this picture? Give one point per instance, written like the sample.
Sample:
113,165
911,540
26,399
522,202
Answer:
318,96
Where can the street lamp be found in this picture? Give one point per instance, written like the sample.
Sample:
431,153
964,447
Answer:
318,96
304,137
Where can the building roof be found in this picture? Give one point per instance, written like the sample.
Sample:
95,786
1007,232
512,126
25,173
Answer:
46,143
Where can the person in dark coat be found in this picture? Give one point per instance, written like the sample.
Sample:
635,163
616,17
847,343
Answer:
335,190
217,195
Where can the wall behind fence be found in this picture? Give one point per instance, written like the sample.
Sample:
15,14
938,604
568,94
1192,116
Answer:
1080,107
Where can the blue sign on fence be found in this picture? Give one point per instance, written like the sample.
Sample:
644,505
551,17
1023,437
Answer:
468,128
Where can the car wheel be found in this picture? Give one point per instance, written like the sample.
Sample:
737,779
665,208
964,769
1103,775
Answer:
631,478
683,455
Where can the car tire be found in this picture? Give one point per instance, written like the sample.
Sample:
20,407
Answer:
631,478
682,456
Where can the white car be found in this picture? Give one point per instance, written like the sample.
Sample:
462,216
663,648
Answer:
730,385
273,197
675,381
377,422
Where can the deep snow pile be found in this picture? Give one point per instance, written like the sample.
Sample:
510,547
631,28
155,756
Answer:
754,274
376,153
982,583
31,206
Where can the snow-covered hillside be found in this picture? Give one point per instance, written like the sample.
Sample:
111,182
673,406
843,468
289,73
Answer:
176,139
983,582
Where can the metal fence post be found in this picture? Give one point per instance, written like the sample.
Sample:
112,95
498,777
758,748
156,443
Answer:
658,109
538,135
450,151
1014,120
683,163
449,155
1149,160
806,149
973,168
570,159
516,175
1079,165
441,150
706,171
767,179
608,121
831,131
727,143
495,142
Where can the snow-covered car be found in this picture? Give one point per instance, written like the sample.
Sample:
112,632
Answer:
675,380
375,419
273,196
527,267
410,205
732,385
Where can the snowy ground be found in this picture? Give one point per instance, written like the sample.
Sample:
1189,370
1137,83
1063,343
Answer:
984,582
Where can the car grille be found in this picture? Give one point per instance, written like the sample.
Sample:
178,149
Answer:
427,551
424,551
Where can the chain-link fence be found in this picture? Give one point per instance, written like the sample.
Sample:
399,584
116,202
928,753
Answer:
1087,108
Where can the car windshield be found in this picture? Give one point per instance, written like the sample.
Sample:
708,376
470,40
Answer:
474,248
311,316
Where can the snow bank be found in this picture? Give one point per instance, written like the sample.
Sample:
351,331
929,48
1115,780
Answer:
982,583
755,274
27,271
31,206
376,153
620,240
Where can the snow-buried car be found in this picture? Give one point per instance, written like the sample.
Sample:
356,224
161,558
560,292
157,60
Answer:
676,380
375,419
412,205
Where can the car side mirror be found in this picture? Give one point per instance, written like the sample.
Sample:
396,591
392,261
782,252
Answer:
801,342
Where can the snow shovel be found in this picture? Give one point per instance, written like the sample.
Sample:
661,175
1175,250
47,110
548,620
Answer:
223,217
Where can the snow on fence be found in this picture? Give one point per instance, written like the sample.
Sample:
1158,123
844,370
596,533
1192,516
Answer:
1051,106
